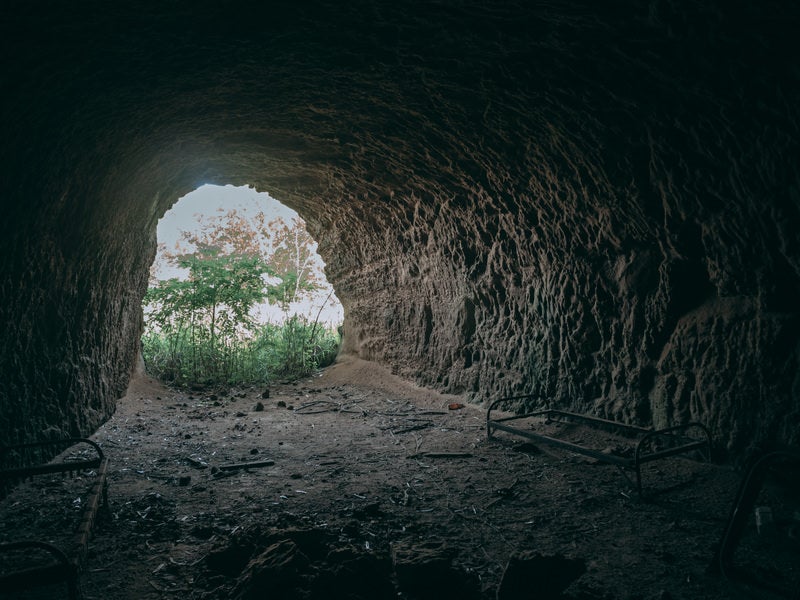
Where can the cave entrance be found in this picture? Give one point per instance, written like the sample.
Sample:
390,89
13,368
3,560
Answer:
237,293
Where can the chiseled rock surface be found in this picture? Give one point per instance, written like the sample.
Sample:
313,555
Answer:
598,206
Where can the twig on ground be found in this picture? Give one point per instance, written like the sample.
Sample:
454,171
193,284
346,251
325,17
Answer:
412,428
441,455
246,465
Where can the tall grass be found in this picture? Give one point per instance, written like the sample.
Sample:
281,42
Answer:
289,351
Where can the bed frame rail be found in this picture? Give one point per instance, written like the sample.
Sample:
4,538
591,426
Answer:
65,564
681,439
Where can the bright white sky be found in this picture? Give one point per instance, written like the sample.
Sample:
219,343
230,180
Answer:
209,200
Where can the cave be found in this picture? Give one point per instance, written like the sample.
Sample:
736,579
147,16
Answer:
595,204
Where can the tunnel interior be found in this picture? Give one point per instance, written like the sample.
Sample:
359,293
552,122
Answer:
597,205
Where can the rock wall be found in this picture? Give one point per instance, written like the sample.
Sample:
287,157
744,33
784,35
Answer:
597,205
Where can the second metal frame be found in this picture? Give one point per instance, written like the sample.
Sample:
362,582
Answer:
642,452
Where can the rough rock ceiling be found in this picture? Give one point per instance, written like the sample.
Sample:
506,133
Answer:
595,203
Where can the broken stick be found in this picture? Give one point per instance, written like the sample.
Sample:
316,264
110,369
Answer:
246,465
442,455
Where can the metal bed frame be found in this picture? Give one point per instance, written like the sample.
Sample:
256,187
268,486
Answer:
67,563
644,450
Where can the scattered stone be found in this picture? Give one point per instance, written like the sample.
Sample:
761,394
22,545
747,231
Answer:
254,451
197,463
259,407
281,404
184,480
265,394
241,414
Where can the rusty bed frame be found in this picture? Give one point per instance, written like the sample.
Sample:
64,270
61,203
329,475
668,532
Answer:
644,451
65,564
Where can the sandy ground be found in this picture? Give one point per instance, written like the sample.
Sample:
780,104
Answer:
369,487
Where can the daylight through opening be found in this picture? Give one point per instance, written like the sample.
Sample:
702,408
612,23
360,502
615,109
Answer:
237,293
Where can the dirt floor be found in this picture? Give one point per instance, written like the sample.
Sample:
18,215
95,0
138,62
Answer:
365,486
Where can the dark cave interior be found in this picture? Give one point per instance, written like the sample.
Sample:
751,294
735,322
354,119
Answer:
594,204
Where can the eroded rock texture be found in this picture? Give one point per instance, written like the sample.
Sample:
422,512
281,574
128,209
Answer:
595,202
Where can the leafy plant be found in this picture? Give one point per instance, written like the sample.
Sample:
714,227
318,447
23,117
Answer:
200,330
283,351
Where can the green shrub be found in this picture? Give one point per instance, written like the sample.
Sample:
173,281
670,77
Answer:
199,329
287,351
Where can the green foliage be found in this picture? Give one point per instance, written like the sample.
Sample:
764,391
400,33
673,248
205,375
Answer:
288,289
287,248
210,310
288,351
200,331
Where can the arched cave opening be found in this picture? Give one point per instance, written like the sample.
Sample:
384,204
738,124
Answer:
237,293
593,206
